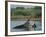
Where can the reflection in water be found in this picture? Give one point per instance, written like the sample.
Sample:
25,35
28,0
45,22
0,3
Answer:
15,23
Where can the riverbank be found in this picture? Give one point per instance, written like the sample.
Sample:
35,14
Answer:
22,19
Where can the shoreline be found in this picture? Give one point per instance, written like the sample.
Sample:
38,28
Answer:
35,19
25,18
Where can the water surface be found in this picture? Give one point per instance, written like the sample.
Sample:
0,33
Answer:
15,23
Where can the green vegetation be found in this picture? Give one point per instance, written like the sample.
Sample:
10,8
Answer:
21,11
37,11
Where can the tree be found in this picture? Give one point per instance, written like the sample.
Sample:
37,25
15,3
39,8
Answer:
20,8
37,11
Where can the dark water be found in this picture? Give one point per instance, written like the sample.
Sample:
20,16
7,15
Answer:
15,23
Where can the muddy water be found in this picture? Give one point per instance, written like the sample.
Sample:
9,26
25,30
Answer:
15,23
